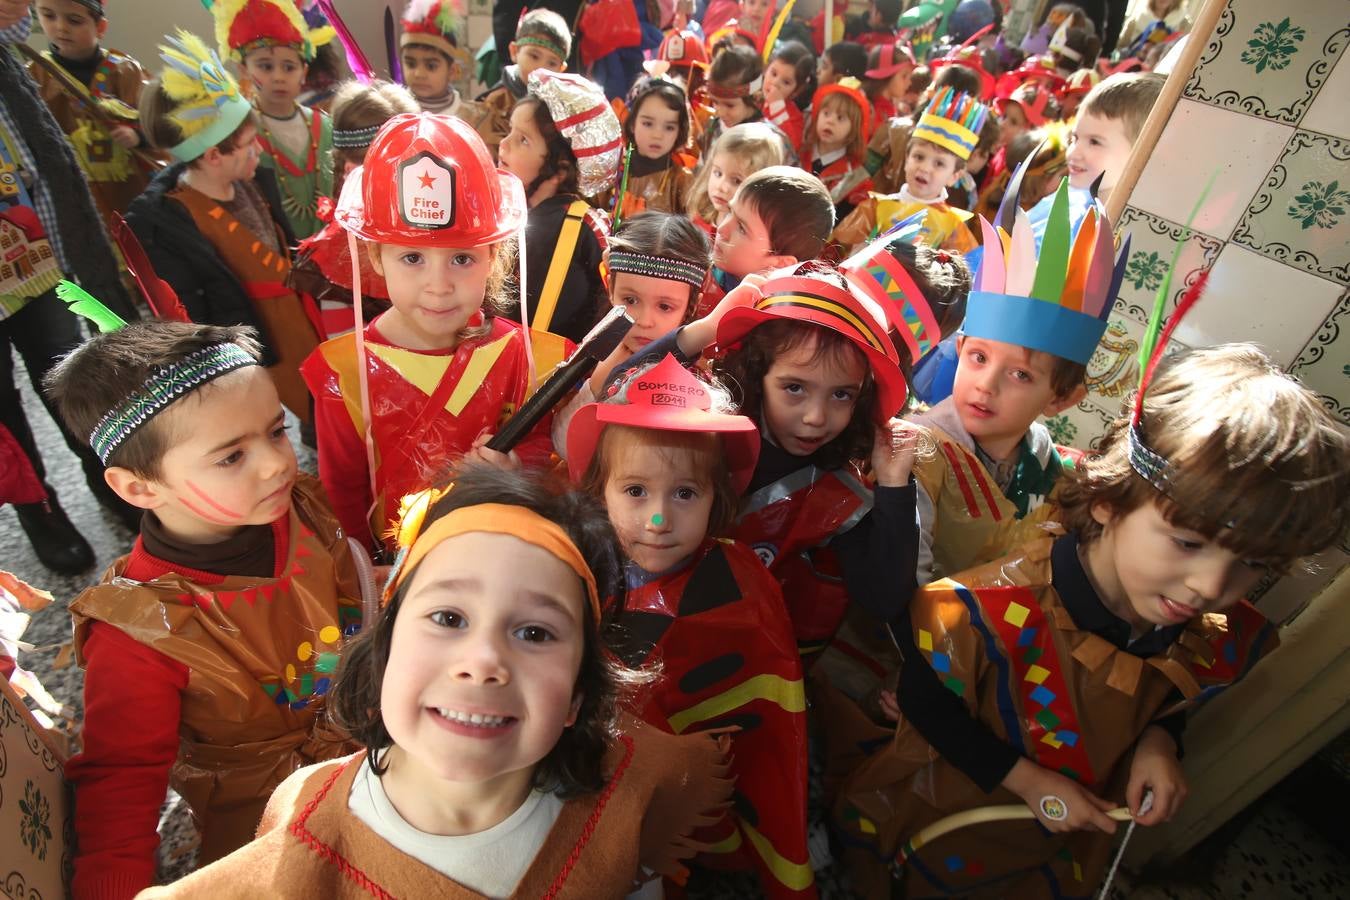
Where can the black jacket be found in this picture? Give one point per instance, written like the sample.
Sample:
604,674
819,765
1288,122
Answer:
182,256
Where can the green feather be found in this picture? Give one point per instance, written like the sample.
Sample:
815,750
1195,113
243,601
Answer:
1165,289
83,303
1053,266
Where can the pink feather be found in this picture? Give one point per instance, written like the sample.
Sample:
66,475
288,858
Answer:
356,60
992,272
1021,258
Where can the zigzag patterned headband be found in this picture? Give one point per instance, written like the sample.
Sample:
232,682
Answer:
161,389
658,267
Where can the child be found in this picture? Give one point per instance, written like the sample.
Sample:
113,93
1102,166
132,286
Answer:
778,217
498,759
943,139
670,461
877,26
836,140
1021,355
431,52
1171,13
398,404
820,375
885,160
322,268
789,80
1075,48
560,167
109,146
1109,122
842,59
543,41
189,643
1029,106
212,224
1094,643
272,44
741,151
734,82
1046,147
886,81
1076,87
654,133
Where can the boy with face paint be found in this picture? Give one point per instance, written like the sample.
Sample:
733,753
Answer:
273,45
114,81
189,644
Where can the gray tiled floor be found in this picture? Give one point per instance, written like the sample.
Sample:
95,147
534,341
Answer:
1274,855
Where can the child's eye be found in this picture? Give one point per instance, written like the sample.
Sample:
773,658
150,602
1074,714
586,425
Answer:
628,301
976,356
636,491
447,619
231,460
1186,544
536,634
793,388
844,395
279,433
716,172
411,258
666,307
685,493
1021,375
464,259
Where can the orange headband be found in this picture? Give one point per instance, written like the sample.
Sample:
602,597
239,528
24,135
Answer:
499,518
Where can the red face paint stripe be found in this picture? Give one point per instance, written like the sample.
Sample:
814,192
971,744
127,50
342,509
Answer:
203,513
212,503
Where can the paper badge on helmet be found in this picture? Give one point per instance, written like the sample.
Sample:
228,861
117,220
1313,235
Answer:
426,192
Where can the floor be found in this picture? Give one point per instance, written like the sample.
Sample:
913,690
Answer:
1290,844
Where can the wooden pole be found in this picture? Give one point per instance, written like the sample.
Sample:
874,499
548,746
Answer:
1205,21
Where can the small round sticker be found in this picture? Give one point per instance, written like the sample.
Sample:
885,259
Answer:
1053,808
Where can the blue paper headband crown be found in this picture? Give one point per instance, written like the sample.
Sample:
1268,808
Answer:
1055,301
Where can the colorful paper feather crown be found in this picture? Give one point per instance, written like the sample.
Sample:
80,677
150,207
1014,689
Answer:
439,24
952,121
877,272
1056,301
246,25
208,105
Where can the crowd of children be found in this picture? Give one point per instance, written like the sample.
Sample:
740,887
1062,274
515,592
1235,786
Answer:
580,662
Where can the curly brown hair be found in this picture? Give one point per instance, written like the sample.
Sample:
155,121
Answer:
1258,464
575,764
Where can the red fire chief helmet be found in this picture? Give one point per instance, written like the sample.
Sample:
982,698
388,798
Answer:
428,181
666,397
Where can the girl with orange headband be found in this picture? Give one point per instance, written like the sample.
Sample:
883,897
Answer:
498,762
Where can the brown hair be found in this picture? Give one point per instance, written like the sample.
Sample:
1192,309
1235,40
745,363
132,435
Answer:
839,103
795,207
664,234
1258,464
744,368
558,156
575,764
735,65
1128,96
547,24
943,278
160,131
757,144
100,374
355,106
670,94
803,62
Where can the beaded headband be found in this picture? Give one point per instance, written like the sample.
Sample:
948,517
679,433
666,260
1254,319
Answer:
355,138
542,42
164,386
658,267
733,91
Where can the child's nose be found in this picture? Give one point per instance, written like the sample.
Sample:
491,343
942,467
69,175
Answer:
1208,581
658,517
813,414
482,660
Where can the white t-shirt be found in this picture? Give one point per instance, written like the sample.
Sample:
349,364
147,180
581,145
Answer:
490,862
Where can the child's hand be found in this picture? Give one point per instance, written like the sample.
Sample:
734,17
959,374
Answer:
890,706
481,454
1155,767
893,452
123,136
700,334
1083,810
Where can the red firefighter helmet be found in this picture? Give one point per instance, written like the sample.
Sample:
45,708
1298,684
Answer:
683,49
428,181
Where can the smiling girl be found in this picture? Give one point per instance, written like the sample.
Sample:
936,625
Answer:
498,760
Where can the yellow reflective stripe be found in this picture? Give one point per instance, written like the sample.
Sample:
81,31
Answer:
797,876
730,845
559,264
788,694
829,307
484,358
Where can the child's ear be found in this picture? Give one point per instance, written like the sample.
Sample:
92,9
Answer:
373,253
1059,404
455,70
511,49
574,709
139,492
954,177
102,28
781,261
1101,512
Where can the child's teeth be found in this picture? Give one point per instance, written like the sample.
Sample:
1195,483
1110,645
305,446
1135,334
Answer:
472,718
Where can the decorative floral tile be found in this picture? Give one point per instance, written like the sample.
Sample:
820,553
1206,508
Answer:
1252,298
1201,141
1270,60
1301,214
1081,426
1327,113
1153,242
1325,369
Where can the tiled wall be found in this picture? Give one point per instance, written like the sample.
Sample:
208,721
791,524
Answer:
1268,108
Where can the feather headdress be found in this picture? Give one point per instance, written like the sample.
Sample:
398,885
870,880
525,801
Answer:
208,105
439,24
244,25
